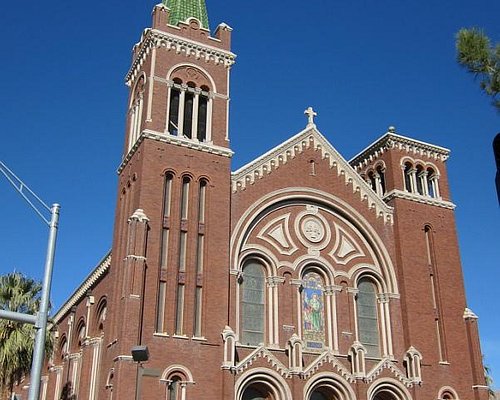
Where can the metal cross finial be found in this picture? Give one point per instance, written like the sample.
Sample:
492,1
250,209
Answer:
310,116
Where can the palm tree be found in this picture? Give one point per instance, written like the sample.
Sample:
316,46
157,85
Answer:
21,294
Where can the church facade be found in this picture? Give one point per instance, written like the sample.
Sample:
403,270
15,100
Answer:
301,275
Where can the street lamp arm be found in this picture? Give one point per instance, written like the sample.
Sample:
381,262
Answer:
21,187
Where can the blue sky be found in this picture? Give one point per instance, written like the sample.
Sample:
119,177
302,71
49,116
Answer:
363,65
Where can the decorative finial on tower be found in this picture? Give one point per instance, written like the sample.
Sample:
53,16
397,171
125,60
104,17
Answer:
391,129
310,116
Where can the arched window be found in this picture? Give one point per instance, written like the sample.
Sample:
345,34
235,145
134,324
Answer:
257,392
101,314
421,182
408,170
373,182
135,111
200,256
432,183
81,333
366,304
381,175
313,310
174,388
252,304
173,112
189,110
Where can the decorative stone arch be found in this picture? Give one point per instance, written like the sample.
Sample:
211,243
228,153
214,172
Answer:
330,385
208,80
177,375
388,389
447,393
265,380
190,102
324,268
138,89
292,196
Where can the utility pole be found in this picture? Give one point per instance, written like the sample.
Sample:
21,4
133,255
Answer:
39,320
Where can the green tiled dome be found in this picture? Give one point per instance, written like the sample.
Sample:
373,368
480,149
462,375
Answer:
181,10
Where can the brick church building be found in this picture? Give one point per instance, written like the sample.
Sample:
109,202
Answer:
302,275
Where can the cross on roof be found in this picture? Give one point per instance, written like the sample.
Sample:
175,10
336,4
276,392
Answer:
310,116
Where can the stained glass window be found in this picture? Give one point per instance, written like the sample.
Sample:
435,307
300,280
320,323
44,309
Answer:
313,311
367,316
252,304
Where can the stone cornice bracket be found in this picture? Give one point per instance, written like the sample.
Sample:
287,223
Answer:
470,315
155,38
139,216
391,140
401,194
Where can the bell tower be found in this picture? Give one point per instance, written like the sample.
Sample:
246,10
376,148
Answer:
172,224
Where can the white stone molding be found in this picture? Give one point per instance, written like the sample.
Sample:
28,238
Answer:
413,360
345,248
449,390
311,138
295,346
328,357
185,372
277,233
229,338
312,229
469,314
431,201
358,356
152,38
341,388
391,140
264,353
82,290
271,202
387,363
267,377
175,140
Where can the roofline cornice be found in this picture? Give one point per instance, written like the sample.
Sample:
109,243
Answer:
400,194
82,290
392,141
152,38
177,141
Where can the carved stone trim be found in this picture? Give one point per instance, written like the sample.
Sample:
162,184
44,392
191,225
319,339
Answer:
400,194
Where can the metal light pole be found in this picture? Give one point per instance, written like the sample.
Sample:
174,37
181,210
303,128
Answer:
40,320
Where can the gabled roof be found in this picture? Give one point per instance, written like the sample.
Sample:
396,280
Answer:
286,151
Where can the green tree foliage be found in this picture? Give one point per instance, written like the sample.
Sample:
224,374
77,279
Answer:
18,293
479,57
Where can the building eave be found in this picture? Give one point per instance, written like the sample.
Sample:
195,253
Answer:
101,268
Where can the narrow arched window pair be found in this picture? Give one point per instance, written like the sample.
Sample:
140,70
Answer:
188,110
376,179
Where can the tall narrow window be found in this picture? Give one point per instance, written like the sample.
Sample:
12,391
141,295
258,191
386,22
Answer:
420,180
373,182
179,320
173,112
381,175
407,174
198,301
162,284
313,311
188,111
174,388
432,183
435,294
203,114
368,333
252,304
135,112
